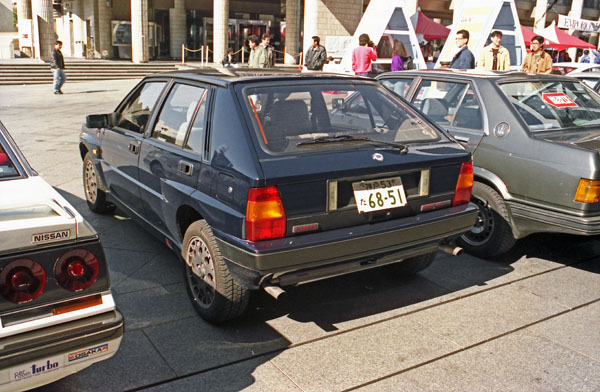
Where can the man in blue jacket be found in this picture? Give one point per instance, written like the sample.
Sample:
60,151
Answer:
463,59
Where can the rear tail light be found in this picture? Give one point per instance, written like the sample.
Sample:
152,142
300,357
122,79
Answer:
588,191
77,269
265,216
464,185
22,280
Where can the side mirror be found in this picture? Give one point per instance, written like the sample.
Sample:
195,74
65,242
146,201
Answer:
96,121
337,103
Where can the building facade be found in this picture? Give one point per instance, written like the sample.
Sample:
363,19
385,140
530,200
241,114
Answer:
146,30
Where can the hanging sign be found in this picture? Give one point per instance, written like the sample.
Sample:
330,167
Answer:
566,22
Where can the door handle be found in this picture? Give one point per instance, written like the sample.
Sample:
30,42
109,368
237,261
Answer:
134,148
185,168
462,139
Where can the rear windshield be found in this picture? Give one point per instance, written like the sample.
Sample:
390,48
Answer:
7,168
547,105
302,118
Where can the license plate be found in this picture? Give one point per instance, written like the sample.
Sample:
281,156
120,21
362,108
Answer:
379,195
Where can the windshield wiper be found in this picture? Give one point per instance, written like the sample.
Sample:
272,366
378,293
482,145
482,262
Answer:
349,138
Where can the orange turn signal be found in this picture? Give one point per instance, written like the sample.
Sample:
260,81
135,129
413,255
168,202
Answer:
265,215
588,191
83,303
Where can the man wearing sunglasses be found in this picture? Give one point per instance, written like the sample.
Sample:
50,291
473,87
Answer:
463,59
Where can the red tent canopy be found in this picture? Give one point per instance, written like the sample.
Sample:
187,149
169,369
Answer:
555,38
429,28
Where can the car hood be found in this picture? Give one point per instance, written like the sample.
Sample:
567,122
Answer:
33,214
588,139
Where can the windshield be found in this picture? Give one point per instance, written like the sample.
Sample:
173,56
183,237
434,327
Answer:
289,118
547,105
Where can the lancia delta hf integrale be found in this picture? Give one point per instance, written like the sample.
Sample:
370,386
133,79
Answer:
57,314
535,142
268,181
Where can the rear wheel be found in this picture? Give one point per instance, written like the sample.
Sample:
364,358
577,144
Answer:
211,288
413,265
491,235
93,188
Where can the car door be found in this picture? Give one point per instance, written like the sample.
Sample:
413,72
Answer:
171,153
121,143
454,106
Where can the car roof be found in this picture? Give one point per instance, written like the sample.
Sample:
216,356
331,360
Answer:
227,76
475,74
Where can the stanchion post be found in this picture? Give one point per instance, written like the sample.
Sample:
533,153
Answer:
201,55
243,54
182,54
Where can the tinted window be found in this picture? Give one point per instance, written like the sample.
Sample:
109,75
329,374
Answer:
177,113
302,118
553,105
136,112
196,139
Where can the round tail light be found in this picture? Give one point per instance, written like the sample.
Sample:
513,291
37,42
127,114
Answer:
76,270
22,280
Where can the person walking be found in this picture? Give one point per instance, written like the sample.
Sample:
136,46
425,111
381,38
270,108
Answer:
363,56
495,57
269,50
537,61
316,55
463,59
258,54
58,68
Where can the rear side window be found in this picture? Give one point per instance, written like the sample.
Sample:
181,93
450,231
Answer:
7,167
399,86
323,116
134,115
449,104
178,113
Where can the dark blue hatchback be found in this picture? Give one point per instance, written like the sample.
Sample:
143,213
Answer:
264,181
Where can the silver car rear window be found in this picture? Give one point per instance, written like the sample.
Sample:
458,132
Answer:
548,105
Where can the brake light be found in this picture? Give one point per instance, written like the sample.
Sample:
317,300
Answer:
77,269
588,191
265,216
464,185
22,280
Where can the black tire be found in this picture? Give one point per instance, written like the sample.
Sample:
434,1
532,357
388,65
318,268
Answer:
211,288
491,235
413,265
93,188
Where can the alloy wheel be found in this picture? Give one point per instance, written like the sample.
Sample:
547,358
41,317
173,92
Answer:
201,272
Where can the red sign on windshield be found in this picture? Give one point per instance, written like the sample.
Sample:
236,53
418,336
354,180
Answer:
559,100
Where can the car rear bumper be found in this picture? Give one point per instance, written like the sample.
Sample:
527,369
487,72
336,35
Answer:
321,255
41,356
531,219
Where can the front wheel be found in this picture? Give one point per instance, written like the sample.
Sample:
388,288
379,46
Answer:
491,235
93,188
211,288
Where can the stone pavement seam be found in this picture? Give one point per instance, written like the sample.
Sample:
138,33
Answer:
286,375
356,387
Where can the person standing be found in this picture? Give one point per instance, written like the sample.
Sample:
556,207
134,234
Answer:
258,54
537,61
58,68
269,50
398,54
316,55
586,56
495,57
228,60
363,56
463,59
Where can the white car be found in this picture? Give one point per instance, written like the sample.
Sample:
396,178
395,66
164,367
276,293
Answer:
570,67
57,313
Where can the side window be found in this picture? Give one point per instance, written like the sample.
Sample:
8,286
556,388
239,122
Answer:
399,86
195,141
136,112
439,100
7,169
468,114
177,113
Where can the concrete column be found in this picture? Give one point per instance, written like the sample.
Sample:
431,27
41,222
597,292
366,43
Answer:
220,29
311,16
539,16
104,40
139,31
576,11
78,26
24,12
177,28
43,26
292,31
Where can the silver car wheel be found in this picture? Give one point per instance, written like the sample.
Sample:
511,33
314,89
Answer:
201,272
91,183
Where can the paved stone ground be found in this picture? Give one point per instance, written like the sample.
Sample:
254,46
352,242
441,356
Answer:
529,321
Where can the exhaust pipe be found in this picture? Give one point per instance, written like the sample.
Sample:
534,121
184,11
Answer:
451,250
275,291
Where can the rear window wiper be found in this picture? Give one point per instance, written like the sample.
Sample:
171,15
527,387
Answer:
349,138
